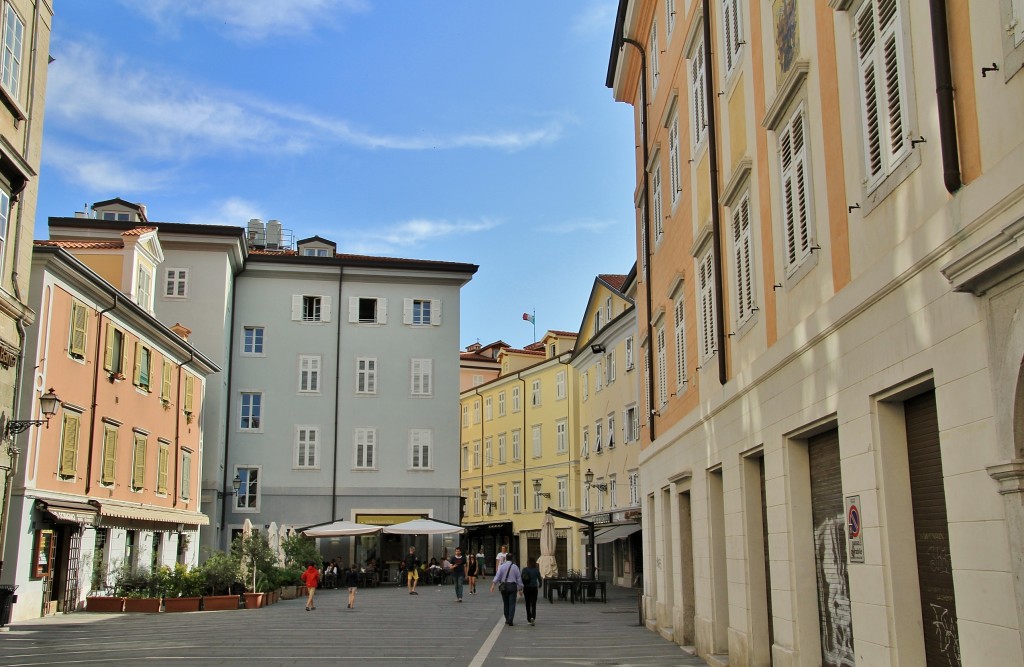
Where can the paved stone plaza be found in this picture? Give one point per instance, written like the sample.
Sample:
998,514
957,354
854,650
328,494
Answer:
388,626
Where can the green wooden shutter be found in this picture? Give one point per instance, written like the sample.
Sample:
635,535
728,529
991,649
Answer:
108,349
139,462
79,315
161,475
109,455
137,371
165,385
69,446
190,385
186,475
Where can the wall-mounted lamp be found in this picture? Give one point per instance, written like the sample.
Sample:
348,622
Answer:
49,403
588,477
597,348
537,488
488,504
236,484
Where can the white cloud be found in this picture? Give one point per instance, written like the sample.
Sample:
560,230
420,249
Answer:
246,19
595,19
103,173
582,225
231,211
411,233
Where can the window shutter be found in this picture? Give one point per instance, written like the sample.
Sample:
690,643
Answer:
296,307
325,309
382,311
741,247
137,372
728,16
190,383
108,349
78,327
793,155
680,326
892,62
139,463
109,455
866,51
707,307
435,312
161,475
353,309
697,93
186,476
165,384
673,158
69,446
406,311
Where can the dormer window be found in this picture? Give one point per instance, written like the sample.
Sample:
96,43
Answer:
117,216
316,252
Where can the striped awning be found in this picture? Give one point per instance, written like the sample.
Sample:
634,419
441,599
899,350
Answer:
139,512
68,511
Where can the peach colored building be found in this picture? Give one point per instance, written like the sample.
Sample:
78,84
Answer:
113,479
479,364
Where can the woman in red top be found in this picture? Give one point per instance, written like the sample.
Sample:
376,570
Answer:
311,577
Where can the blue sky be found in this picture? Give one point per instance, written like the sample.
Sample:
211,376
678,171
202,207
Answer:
456,130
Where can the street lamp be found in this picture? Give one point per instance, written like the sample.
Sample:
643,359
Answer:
236,484
537,488
588,477
49,403
488,504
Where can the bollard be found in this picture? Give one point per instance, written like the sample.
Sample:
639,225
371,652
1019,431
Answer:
640,608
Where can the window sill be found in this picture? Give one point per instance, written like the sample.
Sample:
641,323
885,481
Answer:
12,105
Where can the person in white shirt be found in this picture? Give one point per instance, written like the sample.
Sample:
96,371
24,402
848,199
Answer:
500,558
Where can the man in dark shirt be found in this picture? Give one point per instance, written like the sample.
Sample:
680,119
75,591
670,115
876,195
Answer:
458,572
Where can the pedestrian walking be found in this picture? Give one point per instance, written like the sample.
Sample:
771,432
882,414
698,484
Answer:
531,586
311,577
500,558
509,581
481,562
412,563
472,572
458,571
352,582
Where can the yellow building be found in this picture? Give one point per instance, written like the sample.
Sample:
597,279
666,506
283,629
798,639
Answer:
519,455
608,431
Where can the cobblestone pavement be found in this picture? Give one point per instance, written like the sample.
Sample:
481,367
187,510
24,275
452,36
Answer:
387,627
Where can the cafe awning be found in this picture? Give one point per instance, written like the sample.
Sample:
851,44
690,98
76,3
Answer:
612,533
68,511
139,512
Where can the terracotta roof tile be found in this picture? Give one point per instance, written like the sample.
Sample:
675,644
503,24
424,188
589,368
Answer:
564,333
83,245
138,231
536,353
615,280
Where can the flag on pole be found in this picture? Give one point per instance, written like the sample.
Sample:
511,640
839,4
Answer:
529,318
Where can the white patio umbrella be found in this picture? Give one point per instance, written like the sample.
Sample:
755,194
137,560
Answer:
281,537
423,527
340,528
274,540
246,532
546,563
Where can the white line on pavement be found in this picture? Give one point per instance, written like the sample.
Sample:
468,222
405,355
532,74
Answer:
485,650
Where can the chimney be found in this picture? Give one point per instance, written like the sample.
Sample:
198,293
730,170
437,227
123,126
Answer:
182,331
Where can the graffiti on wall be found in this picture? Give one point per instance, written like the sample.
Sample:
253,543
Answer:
836,621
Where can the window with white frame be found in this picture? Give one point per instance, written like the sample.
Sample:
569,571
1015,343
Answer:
560,385
883,88
561,436
144,288
608,308
185,487
652,57
586,500
609,368
503,498
421,312
489,451
488,408
613,494
743,250
517,445
307,447
662,367
14,38
598,377
252,340
516,401
598,436
5,214
656,210
364,454
600,494
138,479
611,430
675,182
309,373
422,377
585,442
563,492
251,411
465,416
476,500
476,454
732,31
176,283
535,393
248,496
367,310
538,444
420,442
538,501
585,385
796,204
476,411
502,447
670,16
708,327
630,354
634,488
311,308
465,457
597,322
501,404
679,317
643,238
366,375
1015,26
517,496
631,424
698,97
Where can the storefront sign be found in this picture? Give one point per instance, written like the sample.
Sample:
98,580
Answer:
853,527
386,519
602,518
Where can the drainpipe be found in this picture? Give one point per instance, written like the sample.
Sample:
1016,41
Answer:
647,235
716,215
944,96
227,413
337,388
95,391
568,417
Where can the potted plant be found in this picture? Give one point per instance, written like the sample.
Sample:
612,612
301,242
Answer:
104,603
139,589
220,574
254,553
298,550
290,577
184,589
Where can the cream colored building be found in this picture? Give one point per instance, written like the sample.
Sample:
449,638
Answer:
830,277
25,36
519,455
609,427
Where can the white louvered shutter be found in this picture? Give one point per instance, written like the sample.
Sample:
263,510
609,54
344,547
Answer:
296,307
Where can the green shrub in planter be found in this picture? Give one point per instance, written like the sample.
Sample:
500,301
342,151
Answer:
220,572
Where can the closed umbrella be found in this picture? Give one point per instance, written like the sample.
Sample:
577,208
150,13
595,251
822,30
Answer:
546,563
274,540
281,537
423,527
246,532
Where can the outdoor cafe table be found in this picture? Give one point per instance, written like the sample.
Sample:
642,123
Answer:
566,589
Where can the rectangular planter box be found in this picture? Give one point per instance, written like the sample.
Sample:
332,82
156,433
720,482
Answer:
142,605
181,604
220,602
289,592
104,604
254,600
